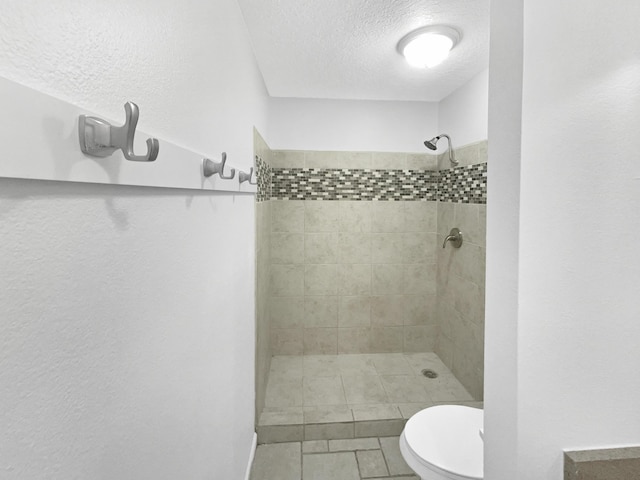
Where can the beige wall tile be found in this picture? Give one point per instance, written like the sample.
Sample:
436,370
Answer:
422,161
263,316
420,338
459,329
287,216
287,159
287,248
443,161
287,312
354,311
321,248
465,370
354,340
472,262
444,349
368,234
387,310
447,319
313,159
260,147
471,340
468,300
467,219
482,225
467,155
387,339
387,217
321,216
388,161
387,280
354,160
286,341
320,311
287,280
446,217
420,217
354,216
354,248
354,279
321,280
419,279
387,247
420,309
470,154
483,152
419,248
320,341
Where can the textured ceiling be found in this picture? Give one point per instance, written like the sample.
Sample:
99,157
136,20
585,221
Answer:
346,49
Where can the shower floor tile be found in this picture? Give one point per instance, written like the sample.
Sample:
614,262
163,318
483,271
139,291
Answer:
348,396
366,458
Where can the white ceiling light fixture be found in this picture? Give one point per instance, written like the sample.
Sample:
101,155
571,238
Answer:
428,46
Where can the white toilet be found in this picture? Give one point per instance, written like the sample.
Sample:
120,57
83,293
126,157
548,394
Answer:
445,443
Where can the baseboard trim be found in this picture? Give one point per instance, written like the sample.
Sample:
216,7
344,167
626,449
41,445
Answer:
252,454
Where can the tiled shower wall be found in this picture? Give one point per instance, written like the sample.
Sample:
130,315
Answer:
353,244
263,265
353,276
461,272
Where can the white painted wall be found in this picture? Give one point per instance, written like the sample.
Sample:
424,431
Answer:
503,211
127,314
322,124
577,319
351,125
463,114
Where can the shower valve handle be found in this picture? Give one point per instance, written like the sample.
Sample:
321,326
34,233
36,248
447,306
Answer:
455,237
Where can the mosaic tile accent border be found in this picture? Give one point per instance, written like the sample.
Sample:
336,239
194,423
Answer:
459,185
353,184
464,184
264,176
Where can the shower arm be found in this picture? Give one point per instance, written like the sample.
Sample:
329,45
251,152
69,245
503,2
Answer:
452,157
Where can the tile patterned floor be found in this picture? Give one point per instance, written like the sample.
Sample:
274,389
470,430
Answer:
353,459
326,397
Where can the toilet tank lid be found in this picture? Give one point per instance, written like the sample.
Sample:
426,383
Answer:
447,436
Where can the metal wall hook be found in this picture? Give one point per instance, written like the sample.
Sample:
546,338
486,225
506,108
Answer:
246,177
210,168
99,138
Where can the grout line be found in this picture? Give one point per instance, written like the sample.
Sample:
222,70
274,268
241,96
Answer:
302,456
384,457
357,464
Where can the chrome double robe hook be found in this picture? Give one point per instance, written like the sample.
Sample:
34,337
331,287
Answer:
246,177
210,168
99,138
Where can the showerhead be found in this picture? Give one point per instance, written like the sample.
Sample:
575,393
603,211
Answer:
431,144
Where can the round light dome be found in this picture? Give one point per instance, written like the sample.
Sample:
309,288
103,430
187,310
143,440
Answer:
428,46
